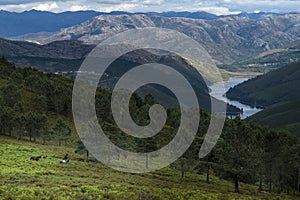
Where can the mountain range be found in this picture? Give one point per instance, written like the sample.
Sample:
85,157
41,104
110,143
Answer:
34,21
227,39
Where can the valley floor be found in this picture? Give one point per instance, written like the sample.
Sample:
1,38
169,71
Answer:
21,178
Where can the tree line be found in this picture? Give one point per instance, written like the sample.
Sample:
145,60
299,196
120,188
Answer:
27,99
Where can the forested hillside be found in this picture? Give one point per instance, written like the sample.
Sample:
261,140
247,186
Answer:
34,104
36,108
274,87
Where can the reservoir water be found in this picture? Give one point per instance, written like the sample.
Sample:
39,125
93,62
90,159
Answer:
218,93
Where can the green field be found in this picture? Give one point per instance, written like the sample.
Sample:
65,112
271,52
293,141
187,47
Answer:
21,178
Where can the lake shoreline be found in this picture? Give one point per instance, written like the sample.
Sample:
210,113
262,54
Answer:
228,75
218,91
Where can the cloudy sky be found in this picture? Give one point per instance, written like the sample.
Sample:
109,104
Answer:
213,6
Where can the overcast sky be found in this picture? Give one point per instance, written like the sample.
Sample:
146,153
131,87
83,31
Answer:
213,6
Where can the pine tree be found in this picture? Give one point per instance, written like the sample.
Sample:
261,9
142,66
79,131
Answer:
20,125
237,154
62,130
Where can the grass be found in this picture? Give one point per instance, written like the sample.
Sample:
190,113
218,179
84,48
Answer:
281,116
21,178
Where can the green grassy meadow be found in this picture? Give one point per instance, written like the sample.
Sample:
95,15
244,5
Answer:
21,178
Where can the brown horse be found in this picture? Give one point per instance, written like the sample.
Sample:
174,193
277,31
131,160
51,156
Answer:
36,158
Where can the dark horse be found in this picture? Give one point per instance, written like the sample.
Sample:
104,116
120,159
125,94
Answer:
66,157
36,158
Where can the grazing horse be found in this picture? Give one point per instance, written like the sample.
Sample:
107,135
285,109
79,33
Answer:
36,158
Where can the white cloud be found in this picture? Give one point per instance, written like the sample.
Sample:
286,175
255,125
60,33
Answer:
264,5
118,7
219,10
78,7
17,7
46,6
147,1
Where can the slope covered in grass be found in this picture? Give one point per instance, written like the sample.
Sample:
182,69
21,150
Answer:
284,116
48,179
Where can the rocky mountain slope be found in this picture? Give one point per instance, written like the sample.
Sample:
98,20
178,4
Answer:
227,39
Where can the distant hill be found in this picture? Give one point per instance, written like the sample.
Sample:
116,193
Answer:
228,39
192,15
258,15
33,21
269,60
52,57
281,116
282,85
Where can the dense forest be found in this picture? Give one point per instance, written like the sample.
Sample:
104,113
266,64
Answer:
36,106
